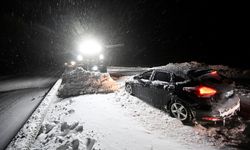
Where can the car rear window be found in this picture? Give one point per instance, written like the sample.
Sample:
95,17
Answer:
162,76
212,80
217,79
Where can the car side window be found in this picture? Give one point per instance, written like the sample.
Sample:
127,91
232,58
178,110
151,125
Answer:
162,76
178,79
146,75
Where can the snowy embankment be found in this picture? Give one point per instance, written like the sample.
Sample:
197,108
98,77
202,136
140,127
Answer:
232,73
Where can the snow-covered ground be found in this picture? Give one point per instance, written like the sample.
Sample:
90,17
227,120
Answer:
114,121
120,121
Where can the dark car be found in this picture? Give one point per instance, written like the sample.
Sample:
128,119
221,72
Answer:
198,94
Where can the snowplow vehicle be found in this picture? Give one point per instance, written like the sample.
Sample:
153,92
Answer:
94,63
202,95
91,57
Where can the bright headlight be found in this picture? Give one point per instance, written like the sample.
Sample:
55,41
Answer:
101,57
72,63
90,47
94,68
79,58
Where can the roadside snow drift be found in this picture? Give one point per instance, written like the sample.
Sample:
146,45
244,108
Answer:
232,73
80,82
114,121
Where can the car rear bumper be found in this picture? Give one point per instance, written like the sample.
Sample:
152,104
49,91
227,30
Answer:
221,111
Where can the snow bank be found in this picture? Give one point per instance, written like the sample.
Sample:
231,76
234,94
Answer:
80,81
99,121
60,134
224,136
182,68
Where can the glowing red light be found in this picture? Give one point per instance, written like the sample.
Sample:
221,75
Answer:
206,91
211,119
213,73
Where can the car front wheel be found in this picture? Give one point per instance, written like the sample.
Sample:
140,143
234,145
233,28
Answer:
128,88
180,111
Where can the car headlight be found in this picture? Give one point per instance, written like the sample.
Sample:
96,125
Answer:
72,63
94,68
79,58
101,57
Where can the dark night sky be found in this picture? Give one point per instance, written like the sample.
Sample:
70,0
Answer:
40,34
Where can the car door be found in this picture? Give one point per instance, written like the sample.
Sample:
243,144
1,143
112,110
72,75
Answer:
159,88
142,86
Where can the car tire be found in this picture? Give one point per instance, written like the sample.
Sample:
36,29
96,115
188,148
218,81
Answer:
180,111
128,88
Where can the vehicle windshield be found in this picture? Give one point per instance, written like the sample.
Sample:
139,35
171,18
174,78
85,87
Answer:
214,78
146,75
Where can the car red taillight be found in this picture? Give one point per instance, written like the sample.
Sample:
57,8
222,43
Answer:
205,91
211,118
214,73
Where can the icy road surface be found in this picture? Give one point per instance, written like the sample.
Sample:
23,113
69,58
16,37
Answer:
19,96
115,121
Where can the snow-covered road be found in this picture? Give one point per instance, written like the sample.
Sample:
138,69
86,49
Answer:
18,99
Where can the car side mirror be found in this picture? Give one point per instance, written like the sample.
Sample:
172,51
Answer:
170,87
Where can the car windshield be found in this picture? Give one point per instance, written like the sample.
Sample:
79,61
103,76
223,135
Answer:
146,75
214,78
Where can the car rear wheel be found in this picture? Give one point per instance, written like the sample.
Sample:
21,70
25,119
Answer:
128,88
180,111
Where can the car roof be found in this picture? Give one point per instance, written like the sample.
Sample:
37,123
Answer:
179,73
188,74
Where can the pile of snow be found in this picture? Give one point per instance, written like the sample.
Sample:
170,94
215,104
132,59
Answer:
229,135
97,121
232,73
80,81
58,133
183,68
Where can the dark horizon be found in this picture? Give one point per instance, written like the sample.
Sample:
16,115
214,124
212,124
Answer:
42,34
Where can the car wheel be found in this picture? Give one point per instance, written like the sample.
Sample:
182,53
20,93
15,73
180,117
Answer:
128,88
180,111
